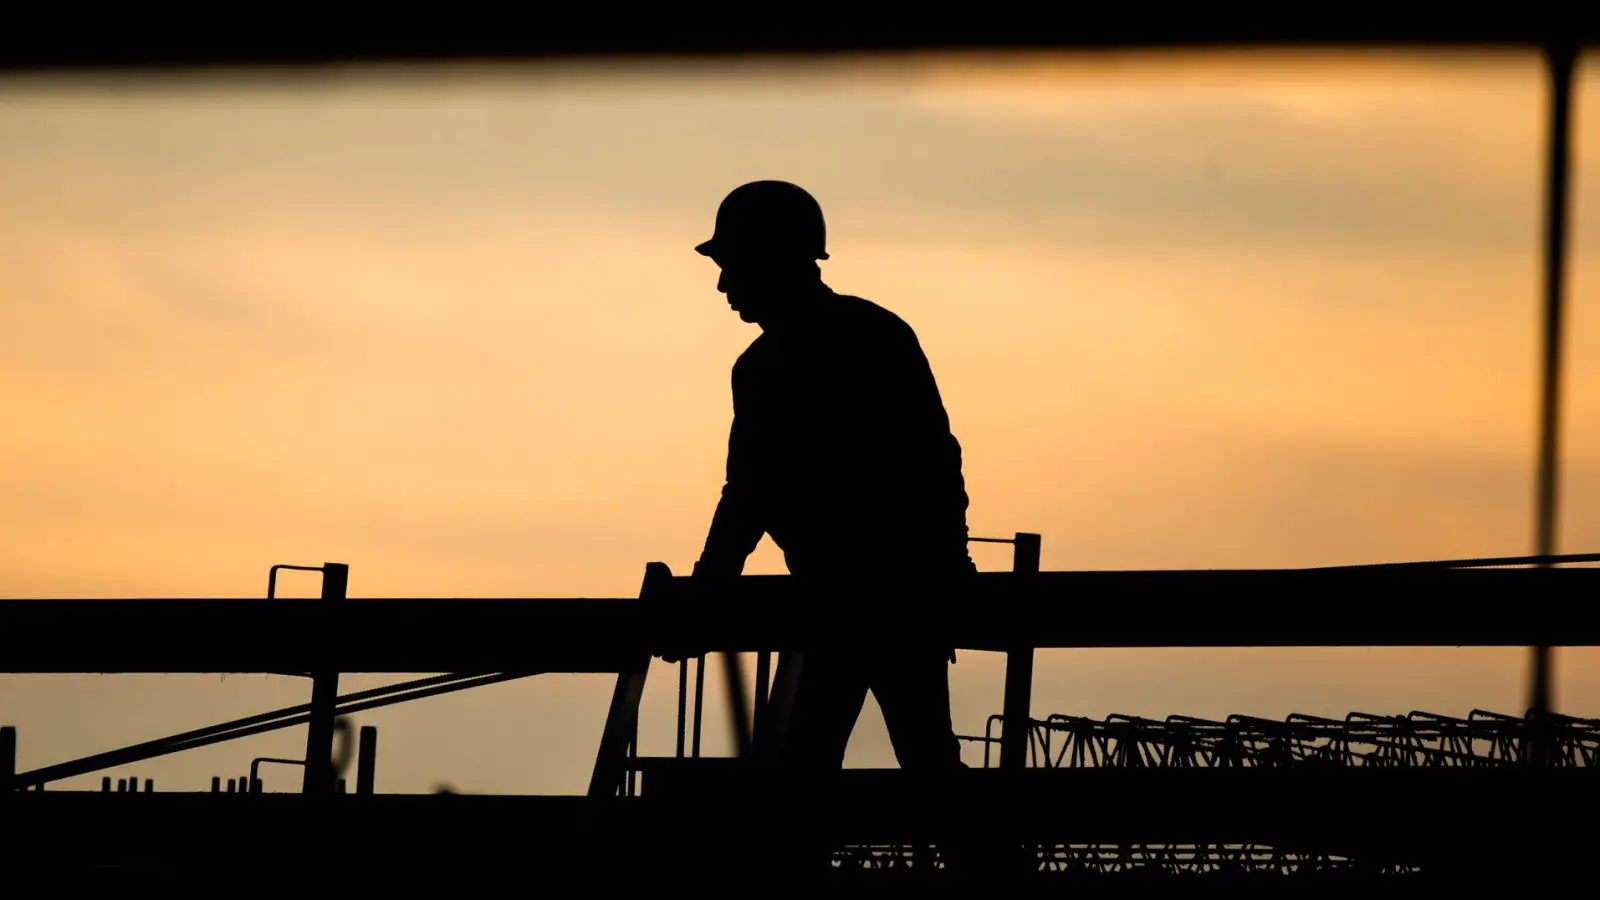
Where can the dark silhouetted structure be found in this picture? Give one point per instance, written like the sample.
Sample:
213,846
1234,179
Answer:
1463,802
841,451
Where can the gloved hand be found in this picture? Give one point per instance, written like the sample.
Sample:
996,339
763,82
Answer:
706,580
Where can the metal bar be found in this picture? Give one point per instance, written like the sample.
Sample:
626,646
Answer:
1559,58
272,577
1432,607
272,594
622,719
738,715
386,636
762,692
8,758
319,775
699,700
367,760
255,769
119,44
1018,704
1484,563
774,734
632,768
683,701
295,714
288,717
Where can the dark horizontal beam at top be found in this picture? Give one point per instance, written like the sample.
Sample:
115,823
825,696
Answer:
1245,608
149,41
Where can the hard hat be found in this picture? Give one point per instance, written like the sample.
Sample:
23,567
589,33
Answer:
767,218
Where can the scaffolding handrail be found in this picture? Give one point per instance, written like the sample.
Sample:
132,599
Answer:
997,611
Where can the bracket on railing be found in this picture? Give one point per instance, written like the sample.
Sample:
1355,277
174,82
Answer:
320,776
253,786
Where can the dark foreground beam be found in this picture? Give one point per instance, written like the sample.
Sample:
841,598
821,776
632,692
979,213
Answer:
147,39
1258,608
1443,820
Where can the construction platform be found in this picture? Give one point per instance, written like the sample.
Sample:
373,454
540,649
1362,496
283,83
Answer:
1418,798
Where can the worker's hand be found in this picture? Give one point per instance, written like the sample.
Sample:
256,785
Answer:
709,578
706,580
674,618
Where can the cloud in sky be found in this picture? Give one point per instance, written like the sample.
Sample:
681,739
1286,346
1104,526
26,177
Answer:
449,328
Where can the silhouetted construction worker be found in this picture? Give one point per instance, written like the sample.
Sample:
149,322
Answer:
841,450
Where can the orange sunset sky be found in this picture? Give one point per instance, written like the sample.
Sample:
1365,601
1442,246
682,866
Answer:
446,325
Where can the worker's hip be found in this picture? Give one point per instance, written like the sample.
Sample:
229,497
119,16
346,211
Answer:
856,610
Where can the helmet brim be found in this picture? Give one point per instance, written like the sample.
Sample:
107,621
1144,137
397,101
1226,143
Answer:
710,248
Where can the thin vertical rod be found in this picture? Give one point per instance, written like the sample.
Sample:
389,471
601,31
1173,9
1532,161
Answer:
319,775
699,699
763,691
1559,58
367,760
683,703
737,713
8,757
1017,708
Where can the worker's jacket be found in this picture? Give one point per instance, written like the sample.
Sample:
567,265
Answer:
841,450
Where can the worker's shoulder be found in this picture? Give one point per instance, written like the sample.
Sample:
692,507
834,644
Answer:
865,315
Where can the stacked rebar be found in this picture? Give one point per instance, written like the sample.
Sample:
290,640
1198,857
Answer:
1482,739
1361,740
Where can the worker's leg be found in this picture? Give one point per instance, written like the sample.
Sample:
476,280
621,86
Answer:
913,690
828,696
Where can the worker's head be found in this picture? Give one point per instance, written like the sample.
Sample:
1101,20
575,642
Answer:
768,238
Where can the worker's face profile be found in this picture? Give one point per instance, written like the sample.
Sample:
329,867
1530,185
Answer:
750,283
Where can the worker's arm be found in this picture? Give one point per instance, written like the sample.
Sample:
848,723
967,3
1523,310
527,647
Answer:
737,526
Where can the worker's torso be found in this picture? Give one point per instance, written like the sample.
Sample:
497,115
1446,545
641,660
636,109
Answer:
850,449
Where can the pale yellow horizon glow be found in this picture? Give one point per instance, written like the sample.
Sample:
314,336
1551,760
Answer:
446,325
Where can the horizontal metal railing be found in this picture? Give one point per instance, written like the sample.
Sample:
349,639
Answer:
997,611
1407,604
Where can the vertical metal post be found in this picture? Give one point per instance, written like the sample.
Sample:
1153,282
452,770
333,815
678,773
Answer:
8,757
216,784
611,765
699,699
1559,59
149,785
632,787
1018,708
780,707
734,680
762,691
366,759
683,701
319,775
